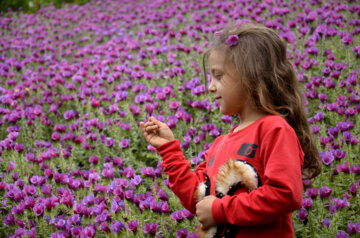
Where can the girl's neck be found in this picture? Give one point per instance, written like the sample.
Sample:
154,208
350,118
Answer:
248,120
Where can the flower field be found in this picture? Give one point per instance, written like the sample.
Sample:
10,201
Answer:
76,82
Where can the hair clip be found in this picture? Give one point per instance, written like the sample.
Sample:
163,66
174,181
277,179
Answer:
232,40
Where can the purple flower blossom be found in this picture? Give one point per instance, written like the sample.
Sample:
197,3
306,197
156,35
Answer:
325,192
353,228
302,215
342,234
325,222
94,159
183,233
150,228
177,216
327,157
12,166
135,181
232,40
88,231
116,226
307,203
39,209
124,143
132,225
312,192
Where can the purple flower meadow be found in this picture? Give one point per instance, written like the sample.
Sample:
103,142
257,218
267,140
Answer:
76,82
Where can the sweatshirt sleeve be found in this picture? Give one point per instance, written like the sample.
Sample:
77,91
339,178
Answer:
182,181
281,192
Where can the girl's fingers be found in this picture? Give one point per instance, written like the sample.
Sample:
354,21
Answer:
156,122
148,127
151,128
142,128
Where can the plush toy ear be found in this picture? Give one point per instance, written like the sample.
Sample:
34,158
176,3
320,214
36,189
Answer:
200,191
234,173
203,189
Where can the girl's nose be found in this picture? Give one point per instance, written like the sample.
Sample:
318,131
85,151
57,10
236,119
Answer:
211,86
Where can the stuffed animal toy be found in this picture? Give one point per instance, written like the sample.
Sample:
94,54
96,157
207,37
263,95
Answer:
232,175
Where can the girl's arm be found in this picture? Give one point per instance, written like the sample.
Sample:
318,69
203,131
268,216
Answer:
281,192
183,182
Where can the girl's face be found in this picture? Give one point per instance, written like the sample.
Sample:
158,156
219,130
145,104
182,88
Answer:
225,84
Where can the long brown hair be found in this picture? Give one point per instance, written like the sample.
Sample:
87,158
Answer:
267,74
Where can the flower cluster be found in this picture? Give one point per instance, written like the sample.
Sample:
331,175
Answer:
75,83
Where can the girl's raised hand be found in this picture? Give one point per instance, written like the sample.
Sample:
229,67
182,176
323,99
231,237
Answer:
156,132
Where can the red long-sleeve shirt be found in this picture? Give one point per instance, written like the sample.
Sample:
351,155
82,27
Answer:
271,146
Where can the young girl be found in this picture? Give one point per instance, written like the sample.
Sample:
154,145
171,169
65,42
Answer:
252,78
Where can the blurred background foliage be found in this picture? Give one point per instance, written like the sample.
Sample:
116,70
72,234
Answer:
32,6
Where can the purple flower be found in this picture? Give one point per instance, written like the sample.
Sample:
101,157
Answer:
132,226
183,233
315,129
147,172
340,203
150,228
325,222
46,189
339,153
55,136
163,195
325,192
232,40
68,115
29,202
124,143
109,142
303,216
94,159
88,231
177,216
114,206
353,228
352,189
327,157
20,232
307,203
341,234
76,231
116,226
129,172
39,209
30,190
12,166
135,181
345,168
103,227
58,235
312,192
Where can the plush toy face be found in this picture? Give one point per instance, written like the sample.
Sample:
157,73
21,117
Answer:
232,175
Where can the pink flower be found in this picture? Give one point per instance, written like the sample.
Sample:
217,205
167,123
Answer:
39,209
124,143
232,40
12,166
94,159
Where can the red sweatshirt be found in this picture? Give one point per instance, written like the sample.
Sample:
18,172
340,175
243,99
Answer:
271,146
